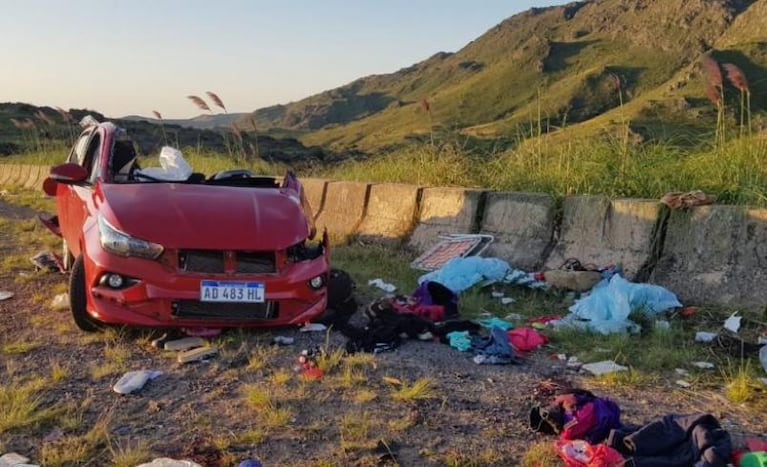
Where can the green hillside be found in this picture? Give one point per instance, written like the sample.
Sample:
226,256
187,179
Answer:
559,65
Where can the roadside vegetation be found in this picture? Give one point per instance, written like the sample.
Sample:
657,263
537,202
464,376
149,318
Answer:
250,400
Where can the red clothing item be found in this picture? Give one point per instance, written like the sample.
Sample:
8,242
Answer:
579,453
526,339
580,422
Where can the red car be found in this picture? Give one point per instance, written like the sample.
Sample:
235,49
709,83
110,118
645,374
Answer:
229,250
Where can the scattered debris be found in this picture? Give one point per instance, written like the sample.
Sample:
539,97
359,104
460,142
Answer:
60,302
134,380
704,365
198,354
579,281
732,323
607,308
201,332
385,286
5,295
282,340
682,372
13,459
682,383
184,344
603,367
702,336
250,463
497,294
313,327
688,311
513,317
47,261
763,357
393,381
168,462
573,362
450,247
680,200
507,300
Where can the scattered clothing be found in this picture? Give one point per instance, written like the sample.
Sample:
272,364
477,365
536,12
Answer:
674,441
459,274
459,340
526,339
495,322
385,330
606,309
579,453
494,349
577,414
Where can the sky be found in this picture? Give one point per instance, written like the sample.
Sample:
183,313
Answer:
138,56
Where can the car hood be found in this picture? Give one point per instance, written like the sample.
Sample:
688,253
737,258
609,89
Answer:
178,215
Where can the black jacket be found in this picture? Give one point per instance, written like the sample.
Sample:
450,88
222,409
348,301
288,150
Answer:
674,441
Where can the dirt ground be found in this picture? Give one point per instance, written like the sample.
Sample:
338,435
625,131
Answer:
210,412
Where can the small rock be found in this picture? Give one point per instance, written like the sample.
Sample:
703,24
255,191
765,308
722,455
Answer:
682,383
5,295
704,365
497,294
507,300
603,367
12,459
702,336
682,372
196,355
184,344
60,302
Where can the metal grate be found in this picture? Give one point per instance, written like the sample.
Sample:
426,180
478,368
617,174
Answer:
255,263
211,262
195,309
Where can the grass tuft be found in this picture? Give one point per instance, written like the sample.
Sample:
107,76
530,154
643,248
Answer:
422,388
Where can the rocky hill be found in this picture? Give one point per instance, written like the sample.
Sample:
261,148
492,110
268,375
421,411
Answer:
567,64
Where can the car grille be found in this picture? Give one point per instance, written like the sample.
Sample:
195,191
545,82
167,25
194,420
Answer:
195,309
213,262
255,263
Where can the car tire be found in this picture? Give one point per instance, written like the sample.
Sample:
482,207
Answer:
66,256
77,298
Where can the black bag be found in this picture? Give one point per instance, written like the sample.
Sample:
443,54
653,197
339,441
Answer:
341,302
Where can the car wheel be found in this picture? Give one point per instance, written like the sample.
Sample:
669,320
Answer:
66,256
77,299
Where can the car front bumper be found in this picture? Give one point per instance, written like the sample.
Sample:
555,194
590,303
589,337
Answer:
164,296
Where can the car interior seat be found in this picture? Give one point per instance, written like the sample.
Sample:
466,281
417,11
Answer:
124,161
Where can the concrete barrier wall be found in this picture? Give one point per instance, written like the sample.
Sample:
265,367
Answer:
716,254
445,211
599,231
343,208
711,254
314,188
522,224
391,211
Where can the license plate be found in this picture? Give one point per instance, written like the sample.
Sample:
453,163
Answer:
232,292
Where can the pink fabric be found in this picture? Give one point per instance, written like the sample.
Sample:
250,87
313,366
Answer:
526,339
579,453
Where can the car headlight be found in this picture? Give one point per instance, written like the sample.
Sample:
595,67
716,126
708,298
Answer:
122,244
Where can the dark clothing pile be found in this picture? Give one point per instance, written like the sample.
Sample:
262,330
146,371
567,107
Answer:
674,441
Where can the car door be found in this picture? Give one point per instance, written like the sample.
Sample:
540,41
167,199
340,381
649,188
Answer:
73,202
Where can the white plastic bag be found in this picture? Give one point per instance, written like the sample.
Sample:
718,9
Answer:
174,166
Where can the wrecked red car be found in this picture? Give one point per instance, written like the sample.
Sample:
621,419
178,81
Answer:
229,250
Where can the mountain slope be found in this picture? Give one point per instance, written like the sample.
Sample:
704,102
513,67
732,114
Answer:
561,63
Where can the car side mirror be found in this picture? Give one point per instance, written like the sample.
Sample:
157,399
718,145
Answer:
68,174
